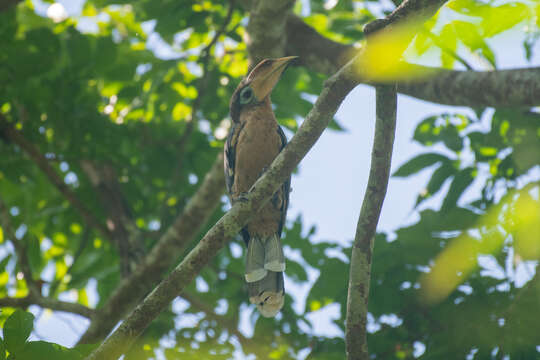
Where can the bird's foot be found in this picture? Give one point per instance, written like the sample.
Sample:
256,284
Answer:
242,197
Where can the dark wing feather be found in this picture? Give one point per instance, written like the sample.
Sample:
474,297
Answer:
286,187
229,162
230,155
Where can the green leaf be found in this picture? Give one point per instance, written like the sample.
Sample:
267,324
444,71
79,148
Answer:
426,131
296,271
504,17
79,49
459,184
17,328
419,163
334,125
422,42
450,137
326,289
34,254
46,350
448,44
2,350
436,181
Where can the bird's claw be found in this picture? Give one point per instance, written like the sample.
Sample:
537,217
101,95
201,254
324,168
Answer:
242,197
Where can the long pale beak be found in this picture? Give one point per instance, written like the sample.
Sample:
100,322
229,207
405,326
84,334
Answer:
266,74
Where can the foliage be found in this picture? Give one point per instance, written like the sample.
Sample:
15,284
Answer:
141,92
17,329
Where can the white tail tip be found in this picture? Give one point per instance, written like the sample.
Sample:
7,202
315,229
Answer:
255,275
275,266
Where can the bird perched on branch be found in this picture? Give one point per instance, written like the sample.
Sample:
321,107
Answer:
254,141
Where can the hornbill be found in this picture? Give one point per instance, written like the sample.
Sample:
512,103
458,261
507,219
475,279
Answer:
254,140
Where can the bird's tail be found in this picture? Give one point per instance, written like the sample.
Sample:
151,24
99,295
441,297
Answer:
265,264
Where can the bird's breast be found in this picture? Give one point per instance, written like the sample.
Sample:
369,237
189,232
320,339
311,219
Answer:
258,144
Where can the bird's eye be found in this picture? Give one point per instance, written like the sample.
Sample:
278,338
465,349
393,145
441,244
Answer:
246,95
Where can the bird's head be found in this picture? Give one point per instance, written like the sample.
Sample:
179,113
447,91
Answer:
269,302
257,86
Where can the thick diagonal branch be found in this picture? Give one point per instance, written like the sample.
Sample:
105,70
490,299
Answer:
162,256
360,269
334,91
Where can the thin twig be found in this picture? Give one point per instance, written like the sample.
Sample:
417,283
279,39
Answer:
48,303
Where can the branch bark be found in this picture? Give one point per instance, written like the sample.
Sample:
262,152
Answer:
516,87
162,256
334,91
265,29
360,269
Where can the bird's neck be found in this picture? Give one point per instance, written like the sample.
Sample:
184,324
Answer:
261,113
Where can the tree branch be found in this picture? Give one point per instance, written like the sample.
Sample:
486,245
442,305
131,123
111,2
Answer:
48,303
409,11
266,27
360,270
379,173
333,93
499,88
40,160
516,87
162,256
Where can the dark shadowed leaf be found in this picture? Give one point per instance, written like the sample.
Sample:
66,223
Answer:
17,328
419,163
460,183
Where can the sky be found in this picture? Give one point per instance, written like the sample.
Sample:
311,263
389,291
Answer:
331,199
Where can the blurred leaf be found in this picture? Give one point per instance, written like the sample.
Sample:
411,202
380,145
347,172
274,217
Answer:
504,17
17,328
460,183
419,163
326,290
2,350
440,175
46,350
34,254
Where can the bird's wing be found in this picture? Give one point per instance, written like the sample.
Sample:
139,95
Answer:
286,187
230,155
229,162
